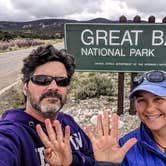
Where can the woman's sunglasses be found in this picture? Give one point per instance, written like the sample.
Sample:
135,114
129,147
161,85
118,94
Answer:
151,76
46,80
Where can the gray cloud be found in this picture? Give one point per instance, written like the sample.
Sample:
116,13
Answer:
21,10
148,7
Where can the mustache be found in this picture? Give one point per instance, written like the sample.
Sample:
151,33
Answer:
51,94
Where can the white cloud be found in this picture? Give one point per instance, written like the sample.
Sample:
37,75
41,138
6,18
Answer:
21,10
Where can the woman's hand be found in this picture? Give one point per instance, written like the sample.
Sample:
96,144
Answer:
105,146
57,147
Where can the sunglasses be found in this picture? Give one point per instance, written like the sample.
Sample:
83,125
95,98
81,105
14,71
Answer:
46,80
151,76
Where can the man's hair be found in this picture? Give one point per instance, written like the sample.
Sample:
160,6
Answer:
44,54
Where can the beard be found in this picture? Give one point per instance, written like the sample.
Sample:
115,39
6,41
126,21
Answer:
48,107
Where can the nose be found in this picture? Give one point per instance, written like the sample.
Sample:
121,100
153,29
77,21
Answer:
150,107
53,85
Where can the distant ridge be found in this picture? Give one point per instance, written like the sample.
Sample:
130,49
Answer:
55,24
100,20
44,28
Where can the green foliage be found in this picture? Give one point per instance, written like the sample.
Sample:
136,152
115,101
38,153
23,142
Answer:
17,103
6,36
84,85
95,86
39,35
12,98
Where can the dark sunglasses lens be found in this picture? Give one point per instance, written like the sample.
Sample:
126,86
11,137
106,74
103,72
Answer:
155,76
62,81
41,79
46,80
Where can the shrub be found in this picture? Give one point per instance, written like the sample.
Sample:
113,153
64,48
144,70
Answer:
95,86
4,45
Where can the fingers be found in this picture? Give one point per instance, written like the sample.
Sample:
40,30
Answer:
114,129
59,132
100,125
50,130
103,127
106,123
67,135
128,145
53,135
43,136
47,152
90,134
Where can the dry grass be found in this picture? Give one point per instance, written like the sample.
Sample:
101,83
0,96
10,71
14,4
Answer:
13,45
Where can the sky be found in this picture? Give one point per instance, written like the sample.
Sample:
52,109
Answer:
28,10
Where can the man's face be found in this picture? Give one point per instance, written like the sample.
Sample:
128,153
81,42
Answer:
47,99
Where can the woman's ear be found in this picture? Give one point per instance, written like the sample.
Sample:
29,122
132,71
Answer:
25,88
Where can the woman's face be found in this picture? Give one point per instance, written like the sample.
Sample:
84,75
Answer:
151,110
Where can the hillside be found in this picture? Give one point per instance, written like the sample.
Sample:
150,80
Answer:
44,28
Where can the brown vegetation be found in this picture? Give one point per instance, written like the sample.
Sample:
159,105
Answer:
19,43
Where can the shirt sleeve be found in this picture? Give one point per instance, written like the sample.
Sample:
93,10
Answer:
82,160
8,148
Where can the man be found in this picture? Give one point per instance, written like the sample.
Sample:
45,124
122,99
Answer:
47,73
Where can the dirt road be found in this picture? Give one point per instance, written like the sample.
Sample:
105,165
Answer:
11,64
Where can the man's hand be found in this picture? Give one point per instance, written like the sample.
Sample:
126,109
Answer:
105,146
57,147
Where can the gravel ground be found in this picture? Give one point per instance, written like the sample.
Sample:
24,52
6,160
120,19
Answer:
85,112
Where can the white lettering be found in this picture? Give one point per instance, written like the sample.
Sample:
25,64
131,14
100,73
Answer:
76,140
142,52
126,38
136,32
111,37
157,37
101,35
90,39
102,52
41,155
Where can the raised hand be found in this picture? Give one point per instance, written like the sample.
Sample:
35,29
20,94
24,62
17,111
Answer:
57,147
105,146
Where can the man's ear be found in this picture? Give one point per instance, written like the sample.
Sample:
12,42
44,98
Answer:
25,88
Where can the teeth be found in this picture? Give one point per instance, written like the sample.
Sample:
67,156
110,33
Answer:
152,117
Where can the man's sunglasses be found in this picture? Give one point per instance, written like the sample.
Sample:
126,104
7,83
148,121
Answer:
151,76
46,80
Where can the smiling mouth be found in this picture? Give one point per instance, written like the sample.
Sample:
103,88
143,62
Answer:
153,117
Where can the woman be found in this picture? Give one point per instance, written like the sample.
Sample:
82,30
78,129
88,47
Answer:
145,146
150,147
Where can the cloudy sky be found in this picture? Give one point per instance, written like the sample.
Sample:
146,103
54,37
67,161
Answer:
28,10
